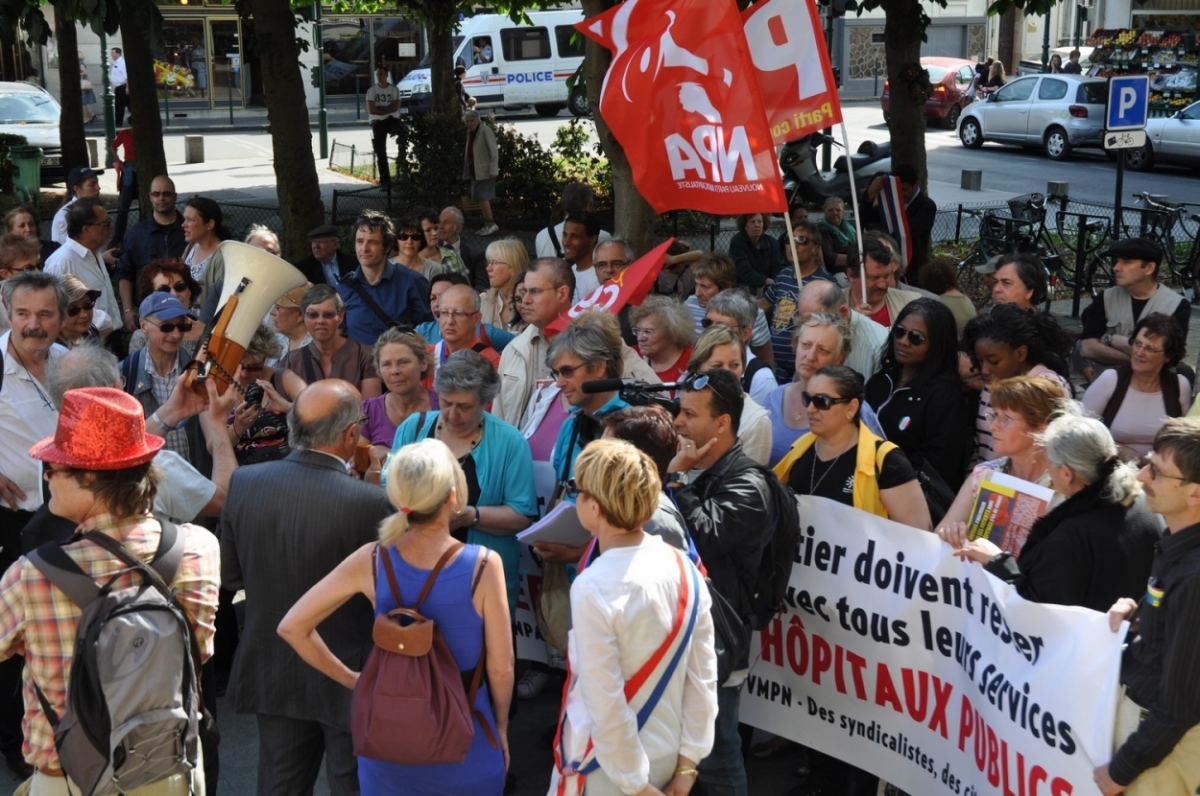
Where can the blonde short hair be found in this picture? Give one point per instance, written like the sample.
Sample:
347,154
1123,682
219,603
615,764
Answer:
710,338
510,251
621,479
420,477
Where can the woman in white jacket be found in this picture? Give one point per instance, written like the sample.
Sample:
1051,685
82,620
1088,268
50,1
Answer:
640,614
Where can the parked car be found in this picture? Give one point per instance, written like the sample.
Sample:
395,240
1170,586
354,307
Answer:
1173,139
950,78
30,111
1055,112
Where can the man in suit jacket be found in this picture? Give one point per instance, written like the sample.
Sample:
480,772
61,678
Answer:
285,526
328,264
450,227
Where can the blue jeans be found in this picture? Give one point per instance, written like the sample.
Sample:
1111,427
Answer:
723,772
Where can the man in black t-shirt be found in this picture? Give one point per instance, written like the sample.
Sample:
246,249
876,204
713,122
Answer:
1108,322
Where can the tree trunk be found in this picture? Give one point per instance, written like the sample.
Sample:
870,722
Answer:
909,83
139,36
70,122
300,206
633,216
440,17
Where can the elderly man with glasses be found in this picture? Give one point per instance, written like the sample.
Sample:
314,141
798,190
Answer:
88,229
156,237
458,318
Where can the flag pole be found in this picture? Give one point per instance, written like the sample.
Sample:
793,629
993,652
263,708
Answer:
787,221
862,272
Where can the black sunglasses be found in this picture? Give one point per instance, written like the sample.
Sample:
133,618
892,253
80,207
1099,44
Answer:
914,337
822,401
178,287
75,309
167,328
567,371
571,490
803,241
417,236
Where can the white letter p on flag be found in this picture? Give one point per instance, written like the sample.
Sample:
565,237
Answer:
780,34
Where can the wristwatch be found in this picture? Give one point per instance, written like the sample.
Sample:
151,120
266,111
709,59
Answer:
1107,339
680,477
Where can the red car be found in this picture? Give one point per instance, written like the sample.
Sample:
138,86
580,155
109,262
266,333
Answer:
950,77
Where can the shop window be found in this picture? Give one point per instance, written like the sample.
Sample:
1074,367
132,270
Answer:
181,60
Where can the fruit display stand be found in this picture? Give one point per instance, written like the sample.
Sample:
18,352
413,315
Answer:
1166,49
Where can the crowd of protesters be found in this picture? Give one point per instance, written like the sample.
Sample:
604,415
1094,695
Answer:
399,419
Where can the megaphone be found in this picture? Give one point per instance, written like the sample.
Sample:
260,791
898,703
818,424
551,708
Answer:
254,280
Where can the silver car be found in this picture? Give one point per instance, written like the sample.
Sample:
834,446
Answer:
30,111
1174,139
1056,112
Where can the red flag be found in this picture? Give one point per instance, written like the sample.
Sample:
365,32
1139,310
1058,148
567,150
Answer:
792,64
631,286
681,97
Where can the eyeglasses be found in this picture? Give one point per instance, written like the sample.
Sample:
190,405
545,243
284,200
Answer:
105,223
167,328
914,337
160,194
803,241
567,371
313,315
822,401
501,262
178,287
75,309
1157,473
643,332
417,236
571,490
611,264
1138,345
537,291
709,322
452,315
49,471
1002,420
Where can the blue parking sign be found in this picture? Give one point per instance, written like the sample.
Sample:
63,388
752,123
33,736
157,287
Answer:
1128,102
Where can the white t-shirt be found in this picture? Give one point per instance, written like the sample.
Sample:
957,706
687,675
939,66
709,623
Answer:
585,282
1140,416
544,247
182,491
383,95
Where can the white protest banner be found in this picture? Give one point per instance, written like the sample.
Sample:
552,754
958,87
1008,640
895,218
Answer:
925,670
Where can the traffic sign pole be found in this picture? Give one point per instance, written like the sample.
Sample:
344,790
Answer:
1117,215
1127,109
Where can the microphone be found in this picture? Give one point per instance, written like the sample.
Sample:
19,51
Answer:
613,385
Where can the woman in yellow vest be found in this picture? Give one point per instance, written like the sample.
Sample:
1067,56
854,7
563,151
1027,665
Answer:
841,459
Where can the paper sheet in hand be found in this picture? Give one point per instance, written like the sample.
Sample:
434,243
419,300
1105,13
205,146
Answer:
560,525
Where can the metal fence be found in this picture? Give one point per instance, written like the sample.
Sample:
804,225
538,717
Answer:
237,217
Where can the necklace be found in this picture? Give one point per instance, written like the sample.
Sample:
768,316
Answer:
812,488
475,437
41,393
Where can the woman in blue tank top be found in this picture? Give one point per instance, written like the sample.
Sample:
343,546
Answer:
468,602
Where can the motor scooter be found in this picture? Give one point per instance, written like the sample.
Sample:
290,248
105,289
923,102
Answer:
804,183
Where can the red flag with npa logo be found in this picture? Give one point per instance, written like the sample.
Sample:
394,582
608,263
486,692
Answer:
631,286
792,67
682,99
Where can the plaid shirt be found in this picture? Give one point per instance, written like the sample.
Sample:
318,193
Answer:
162,387
39,621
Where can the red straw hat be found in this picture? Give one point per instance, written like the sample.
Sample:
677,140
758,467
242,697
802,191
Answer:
99,428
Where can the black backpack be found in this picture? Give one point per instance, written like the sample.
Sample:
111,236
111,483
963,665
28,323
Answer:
766,597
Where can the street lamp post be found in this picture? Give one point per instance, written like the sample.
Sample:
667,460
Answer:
1046,42
110,123
322,112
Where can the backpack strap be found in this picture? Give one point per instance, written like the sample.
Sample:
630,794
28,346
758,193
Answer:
372,305
558,251
61,570
169,554
751,371
130,369
394,585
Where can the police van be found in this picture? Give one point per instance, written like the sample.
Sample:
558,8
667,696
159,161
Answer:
510,65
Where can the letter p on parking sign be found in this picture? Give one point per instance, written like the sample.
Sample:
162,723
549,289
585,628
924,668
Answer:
1128,102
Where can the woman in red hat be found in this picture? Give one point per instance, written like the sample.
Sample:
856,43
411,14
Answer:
99,466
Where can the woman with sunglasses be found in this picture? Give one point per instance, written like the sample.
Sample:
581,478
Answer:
839,458
507,260
175,279
1096,546
1135,398
1022,407
665,336
501,493
258,426
1008,341
721,347
83,317
410,240
917,393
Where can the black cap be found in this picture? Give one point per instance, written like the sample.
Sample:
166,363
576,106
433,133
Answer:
80,174
323,231
1135,249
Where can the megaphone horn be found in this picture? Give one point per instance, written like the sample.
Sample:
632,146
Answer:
254,280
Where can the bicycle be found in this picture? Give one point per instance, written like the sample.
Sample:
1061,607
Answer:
1158,222
1022,231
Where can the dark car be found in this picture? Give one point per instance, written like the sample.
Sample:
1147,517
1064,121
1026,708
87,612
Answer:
950,78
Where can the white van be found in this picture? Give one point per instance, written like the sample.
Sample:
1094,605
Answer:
510,65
